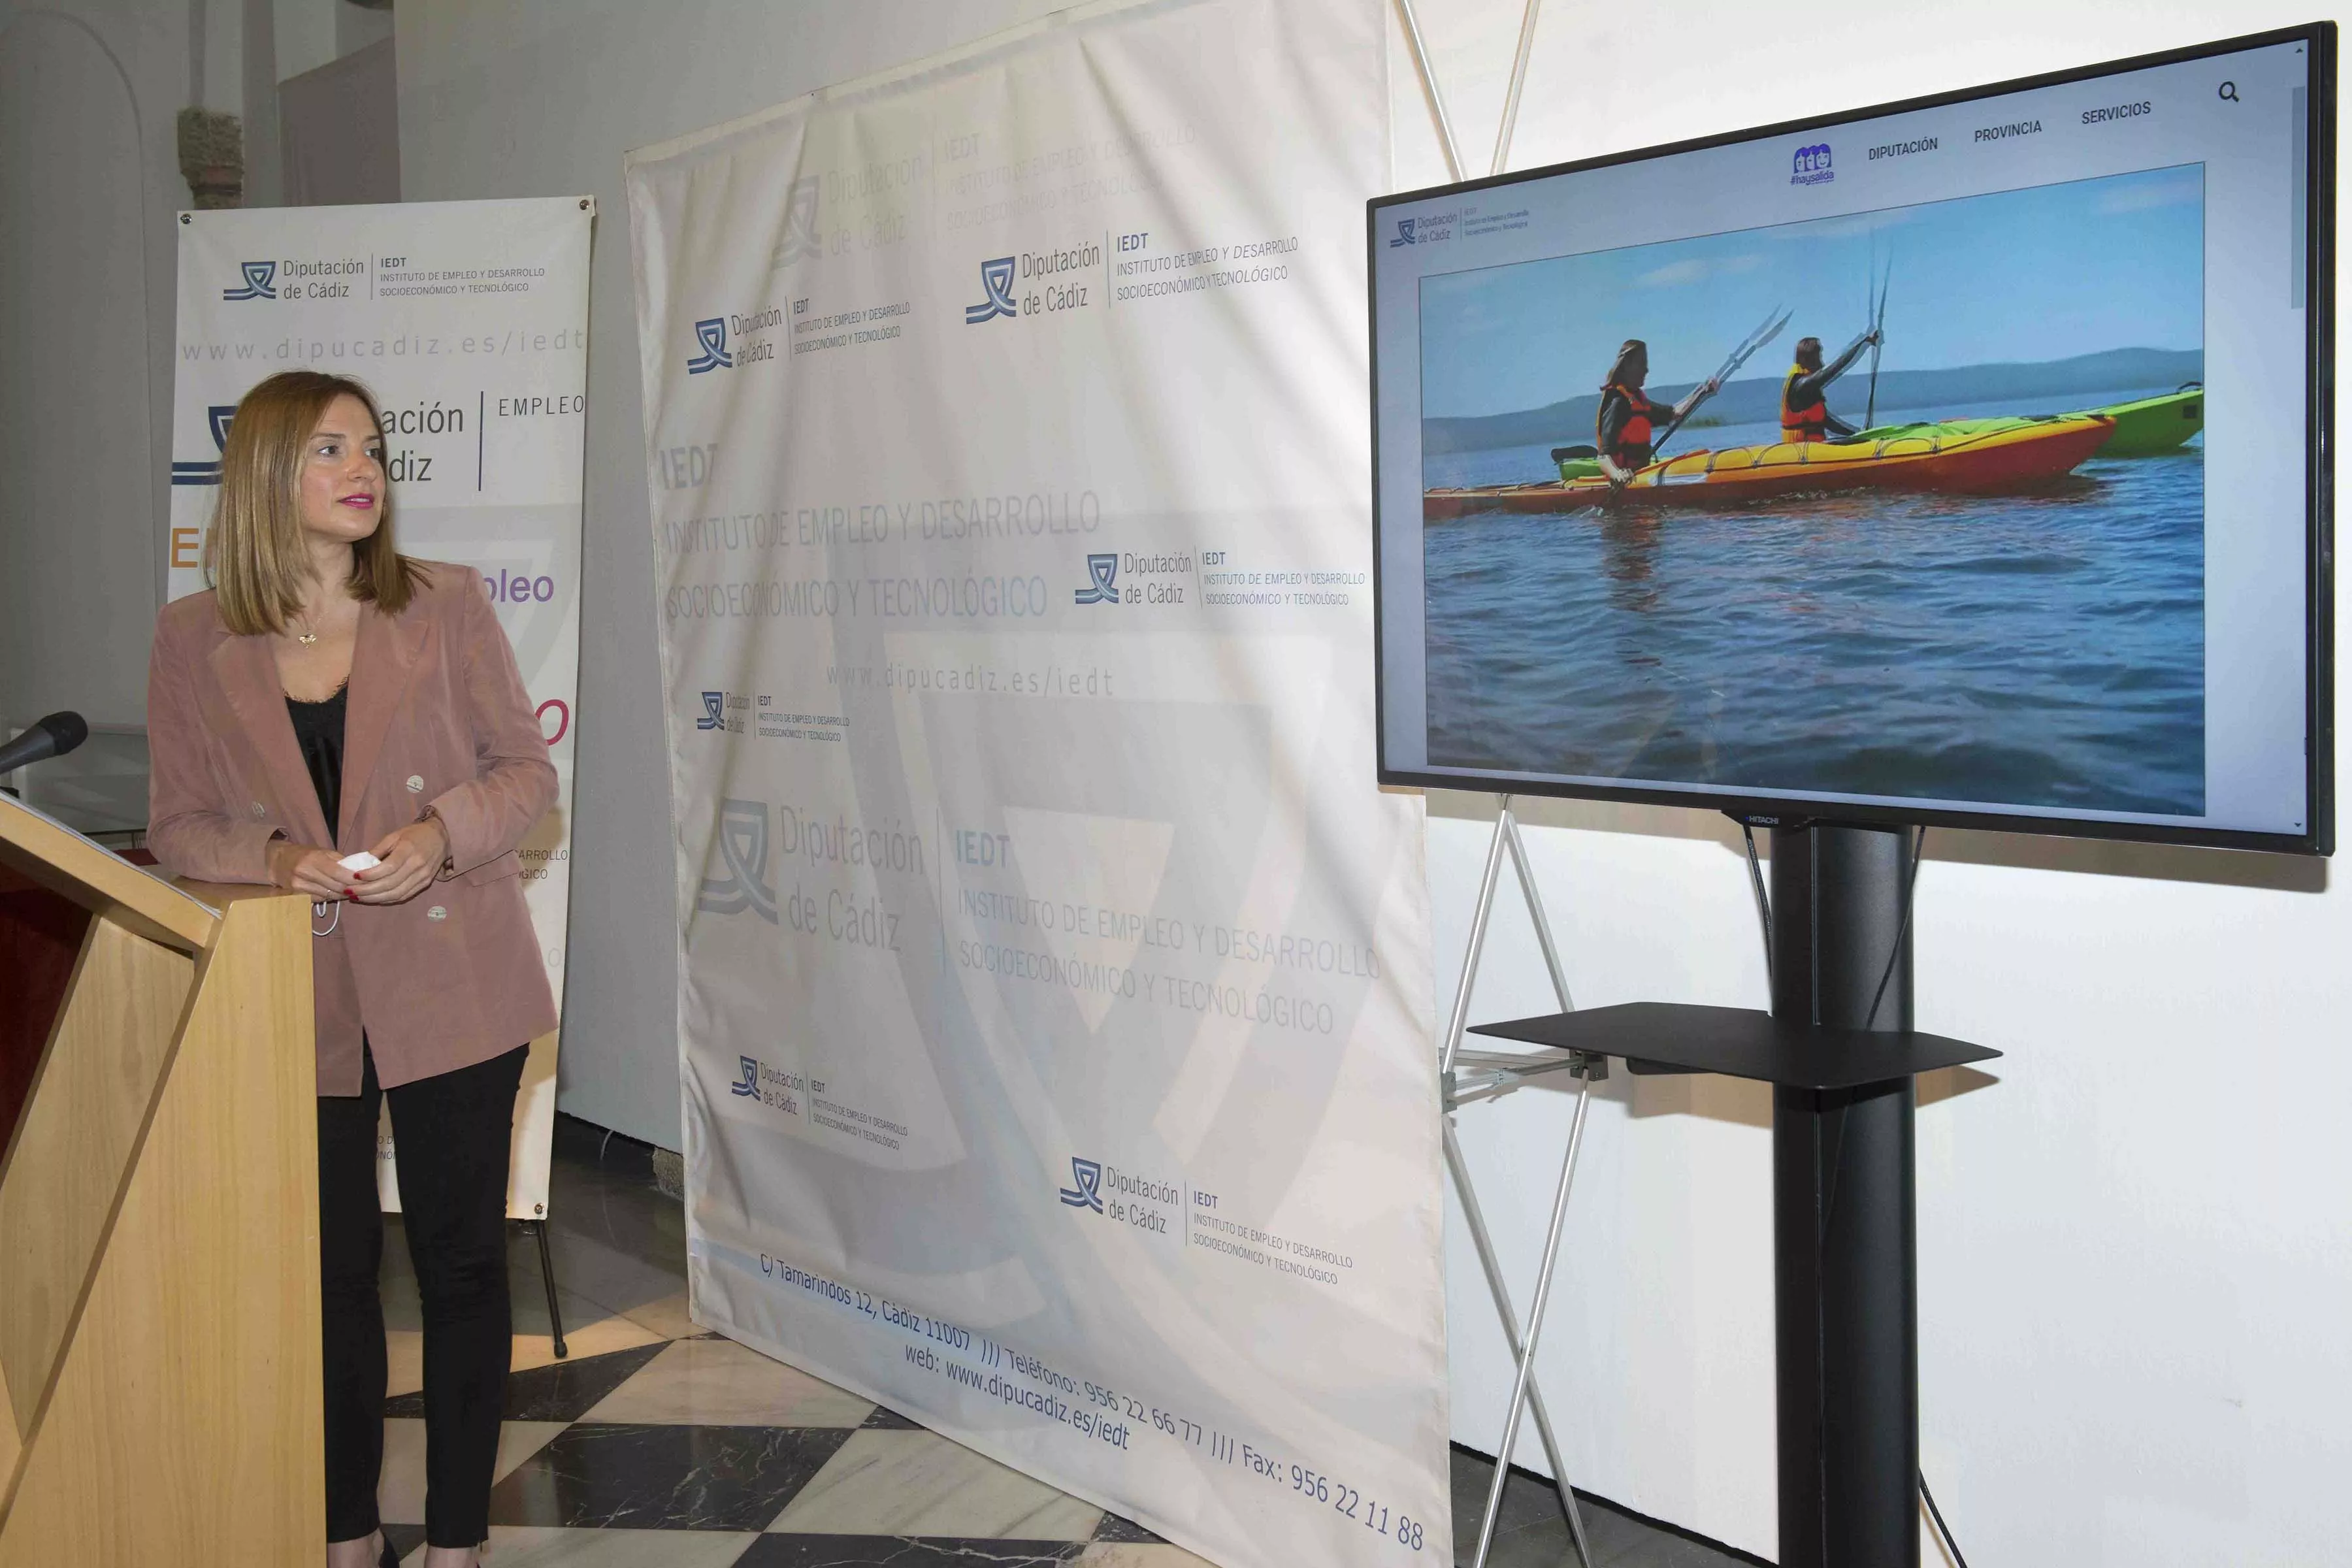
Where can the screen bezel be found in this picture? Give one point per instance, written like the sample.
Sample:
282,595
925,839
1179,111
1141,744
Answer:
2319,271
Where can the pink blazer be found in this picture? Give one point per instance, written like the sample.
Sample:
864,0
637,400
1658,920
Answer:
436,715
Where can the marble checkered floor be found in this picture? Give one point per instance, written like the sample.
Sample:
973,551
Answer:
696,1453
655,1445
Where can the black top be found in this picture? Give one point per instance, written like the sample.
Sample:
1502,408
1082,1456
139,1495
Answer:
1658,1037
1805,390
1617,409
319,731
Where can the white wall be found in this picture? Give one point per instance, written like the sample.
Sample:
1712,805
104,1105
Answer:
89,179
90,184
2133,1276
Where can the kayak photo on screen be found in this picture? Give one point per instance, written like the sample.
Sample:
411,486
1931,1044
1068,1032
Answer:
1908,503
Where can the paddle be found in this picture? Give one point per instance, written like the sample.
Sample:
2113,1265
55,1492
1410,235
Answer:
1764,334
1877,324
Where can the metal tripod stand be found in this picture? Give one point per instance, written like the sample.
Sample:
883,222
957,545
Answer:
1466,1077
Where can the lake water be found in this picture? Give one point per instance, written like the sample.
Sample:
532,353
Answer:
2044,650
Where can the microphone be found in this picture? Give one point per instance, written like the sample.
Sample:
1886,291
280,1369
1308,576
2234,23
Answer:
51,737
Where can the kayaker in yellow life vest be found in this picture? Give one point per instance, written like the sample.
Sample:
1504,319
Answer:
1628,416
1804,409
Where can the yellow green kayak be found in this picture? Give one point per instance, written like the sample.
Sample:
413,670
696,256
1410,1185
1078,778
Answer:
2154,424
2018,455
2145,427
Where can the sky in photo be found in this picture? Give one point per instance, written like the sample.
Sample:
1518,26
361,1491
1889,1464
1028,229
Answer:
2038,274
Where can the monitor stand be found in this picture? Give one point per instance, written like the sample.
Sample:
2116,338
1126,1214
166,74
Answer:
1845,1286
1845,1255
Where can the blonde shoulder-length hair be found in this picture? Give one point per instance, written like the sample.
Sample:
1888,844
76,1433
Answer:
255,555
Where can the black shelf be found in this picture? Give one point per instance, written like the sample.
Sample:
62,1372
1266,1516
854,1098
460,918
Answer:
1740,1042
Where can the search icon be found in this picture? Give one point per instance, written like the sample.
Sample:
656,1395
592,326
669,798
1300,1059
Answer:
2230,91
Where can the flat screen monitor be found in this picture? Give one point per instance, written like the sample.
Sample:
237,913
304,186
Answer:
1960,461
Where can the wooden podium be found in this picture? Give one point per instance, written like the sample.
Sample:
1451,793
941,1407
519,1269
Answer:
158,1230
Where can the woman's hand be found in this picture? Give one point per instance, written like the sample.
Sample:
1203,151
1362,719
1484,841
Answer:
1698,395
307,868
410,858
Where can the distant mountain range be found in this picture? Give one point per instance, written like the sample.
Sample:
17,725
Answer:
2032,387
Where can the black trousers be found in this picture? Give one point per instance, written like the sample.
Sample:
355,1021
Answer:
452,1132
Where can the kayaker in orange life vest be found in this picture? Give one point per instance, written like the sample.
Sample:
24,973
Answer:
1804,409
1628,416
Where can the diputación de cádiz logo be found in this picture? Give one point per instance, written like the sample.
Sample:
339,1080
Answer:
207,471
713,715
1088,1193
996,279
750,1082
260,278
1104,570
712,335
743,845
800,238
1403,232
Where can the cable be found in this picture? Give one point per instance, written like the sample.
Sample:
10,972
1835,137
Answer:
1869,1019
1763,904
1943,1530
1910,886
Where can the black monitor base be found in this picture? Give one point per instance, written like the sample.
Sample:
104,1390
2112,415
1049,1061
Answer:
1845,1243
1845,1253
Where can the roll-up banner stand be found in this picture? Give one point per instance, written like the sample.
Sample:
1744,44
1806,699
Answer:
1054,1009
469,323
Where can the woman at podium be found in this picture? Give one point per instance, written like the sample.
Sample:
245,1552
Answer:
328,703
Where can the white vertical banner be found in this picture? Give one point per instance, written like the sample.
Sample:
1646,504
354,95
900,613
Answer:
469,323
1054,1009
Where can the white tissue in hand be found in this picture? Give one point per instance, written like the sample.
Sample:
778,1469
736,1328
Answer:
361,861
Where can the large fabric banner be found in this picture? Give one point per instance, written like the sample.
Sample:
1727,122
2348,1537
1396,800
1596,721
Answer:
1054,1004
469,323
